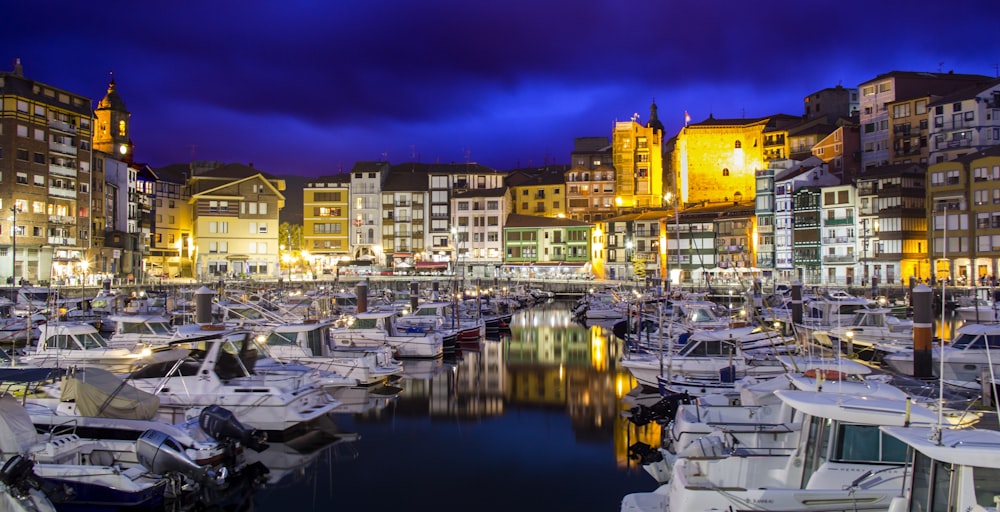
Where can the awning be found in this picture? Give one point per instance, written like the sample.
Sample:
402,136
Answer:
237,257
431,264
547,264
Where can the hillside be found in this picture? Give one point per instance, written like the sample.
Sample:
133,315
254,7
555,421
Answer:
292,212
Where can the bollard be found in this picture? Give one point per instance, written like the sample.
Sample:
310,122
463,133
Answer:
203,305
414,295
361,291
923,322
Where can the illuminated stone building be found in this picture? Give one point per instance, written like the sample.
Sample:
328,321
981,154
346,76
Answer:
326,228
637,153
716,159
45,170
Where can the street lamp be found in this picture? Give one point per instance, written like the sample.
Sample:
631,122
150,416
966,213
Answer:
14,210
84,264
628,258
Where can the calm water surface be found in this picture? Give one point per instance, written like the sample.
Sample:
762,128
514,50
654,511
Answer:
531,421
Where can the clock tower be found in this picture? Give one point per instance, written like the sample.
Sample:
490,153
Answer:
112,134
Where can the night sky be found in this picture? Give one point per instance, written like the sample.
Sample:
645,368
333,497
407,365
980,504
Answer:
309,87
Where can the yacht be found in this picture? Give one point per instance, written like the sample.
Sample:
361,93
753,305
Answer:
377,328
309,344
219,369
79,344
825,452
973,352
950,469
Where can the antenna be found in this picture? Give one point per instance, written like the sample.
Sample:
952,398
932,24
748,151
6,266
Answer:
192,148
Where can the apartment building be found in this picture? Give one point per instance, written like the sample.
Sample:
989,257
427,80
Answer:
962,199
405,196
172,242
964,122
326,228
878,93
45,170
545,246
367,178
539,191
590,180
235,217
892,224
838,237
479,217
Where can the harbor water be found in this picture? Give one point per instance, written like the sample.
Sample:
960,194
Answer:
530,420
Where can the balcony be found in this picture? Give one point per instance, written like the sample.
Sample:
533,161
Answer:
62,219
66,193
838,258
62,126
58,240
402,203
66,149
839,240
846,221
61,170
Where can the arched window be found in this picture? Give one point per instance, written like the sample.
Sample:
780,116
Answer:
738,145
725,172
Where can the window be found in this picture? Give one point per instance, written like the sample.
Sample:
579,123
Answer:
39,180
22,155
22,178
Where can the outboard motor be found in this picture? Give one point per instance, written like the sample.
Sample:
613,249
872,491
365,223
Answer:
18,474
162,454
222,425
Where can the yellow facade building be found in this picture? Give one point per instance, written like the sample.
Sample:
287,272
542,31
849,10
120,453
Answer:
235,216
325,220
637,154
716,159
540,192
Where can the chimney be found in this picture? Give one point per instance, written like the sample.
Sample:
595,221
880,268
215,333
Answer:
18,70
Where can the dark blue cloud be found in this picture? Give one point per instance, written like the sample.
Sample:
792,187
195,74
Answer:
304,87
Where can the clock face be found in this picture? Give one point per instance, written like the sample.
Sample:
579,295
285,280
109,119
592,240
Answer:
123,149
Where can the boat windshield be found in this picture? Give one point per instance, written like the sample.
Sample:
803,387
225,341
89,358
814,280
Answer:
976,341
282,339
161,328
91,340
365,323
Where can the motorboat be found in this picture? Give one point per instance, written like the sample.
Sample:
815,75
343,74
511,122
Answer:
310,344
871,334
89,473
974,352
950,469
445,317
219,369
707,357
79,344
131,331
377,328
824,452
981,311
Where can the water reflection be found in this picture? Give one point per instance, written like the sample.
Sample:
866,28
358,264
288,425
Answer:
518,408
